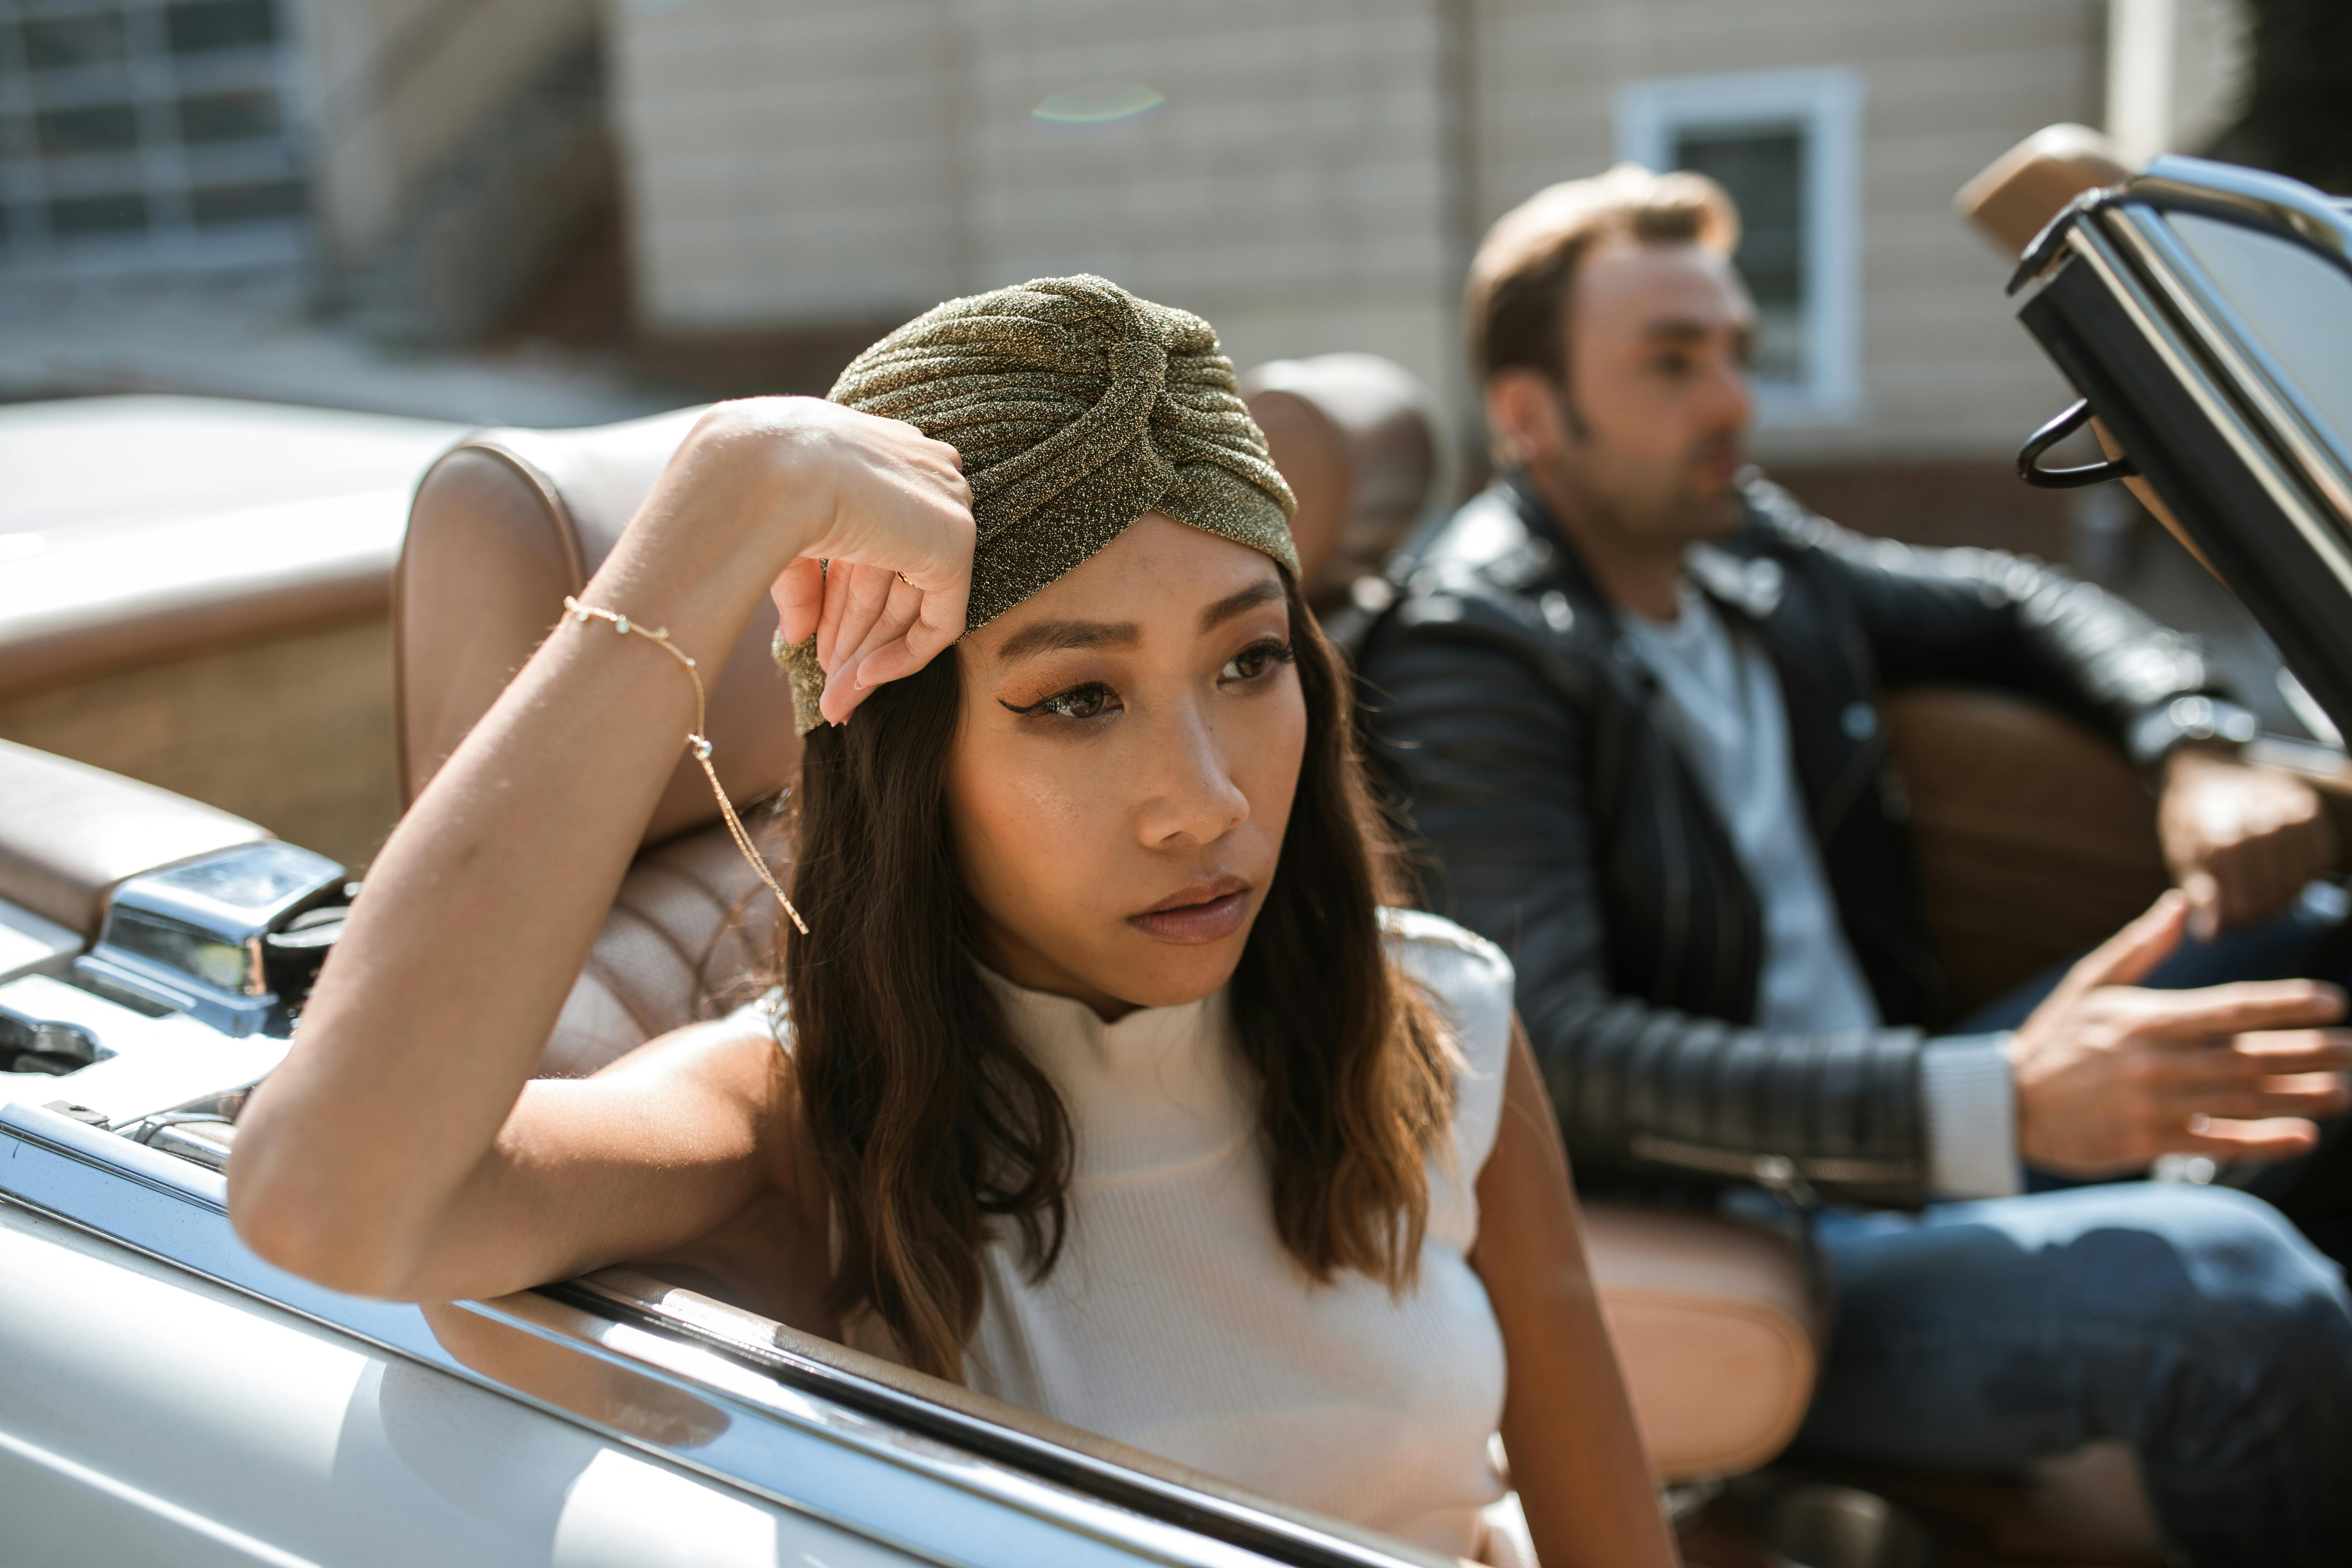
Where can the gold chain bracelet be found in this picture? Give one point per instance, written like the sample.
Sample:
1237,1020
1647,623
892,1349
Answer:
695,740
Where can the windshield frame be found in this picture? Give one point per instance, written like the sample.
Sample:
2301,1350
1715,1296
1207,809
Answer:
2255,476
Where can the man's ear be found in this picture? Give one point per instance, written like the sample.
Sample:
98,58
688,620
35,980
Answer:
1524,417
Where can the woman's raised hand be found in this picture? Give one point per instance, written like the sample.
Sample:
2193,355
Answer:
884,585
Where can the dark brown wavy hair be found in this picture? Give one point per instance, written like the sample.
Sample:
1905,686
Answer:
931,1126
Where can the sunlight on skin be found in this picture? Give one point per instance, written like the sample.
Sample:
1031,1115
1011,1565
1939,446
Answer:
1128,823
1641,455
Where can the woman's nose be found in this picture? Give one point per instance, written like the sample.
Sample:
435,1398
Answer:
1191,795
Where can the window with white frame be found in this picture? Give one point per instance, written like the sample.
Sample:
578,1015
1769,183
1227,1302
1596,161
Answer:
1787,146
147,131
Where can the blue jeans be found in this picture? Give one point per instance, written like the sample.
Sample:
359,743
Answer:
2195,1323
2192,1322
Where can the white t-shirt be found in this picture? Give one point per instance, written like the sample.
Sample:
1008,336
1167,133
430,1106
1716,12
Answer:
1176,1321
1734,730
1730,719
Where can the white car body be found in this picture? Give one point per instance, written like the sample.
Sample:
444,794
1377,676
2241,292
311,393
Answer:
171,1398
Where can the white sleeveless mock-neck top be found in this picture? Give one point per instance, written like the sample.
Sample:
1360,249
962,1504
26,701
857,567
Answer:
1176,1321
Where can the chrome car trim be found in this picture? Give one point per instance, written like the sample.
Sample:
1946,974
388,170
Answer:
2196,184
2232,190
754,1339
1777,1172
190,936
2249,367
820,1441
150,1063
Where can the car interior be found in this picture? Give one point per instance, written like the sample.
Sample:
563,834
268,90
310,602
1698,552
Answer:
203,602
510,522
2035,836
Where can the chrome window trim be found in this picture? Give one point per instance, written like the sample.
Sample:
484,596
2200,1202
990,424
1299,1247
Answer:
2198,184
2231,189
2098,252
819,1441
2224,333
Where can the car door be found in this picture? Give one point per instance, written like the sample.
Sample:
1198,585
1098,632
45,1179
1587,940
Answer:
169,1397
166,1396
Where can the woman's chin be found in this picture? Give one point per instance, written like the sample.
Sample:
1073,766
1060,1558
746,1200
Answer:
1158,973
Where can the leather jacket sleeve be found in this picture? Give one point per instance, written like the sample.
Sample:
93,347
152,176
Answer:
1986,618
1480,735
1496,736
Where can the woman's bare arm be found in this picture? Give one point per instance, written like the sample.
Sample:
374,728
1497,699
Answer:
1576,1457
396,1151
660,1148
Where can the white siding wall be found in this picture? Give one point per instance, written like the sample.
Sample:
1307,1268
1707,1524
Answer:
790,161
1950,85
796,161
801,161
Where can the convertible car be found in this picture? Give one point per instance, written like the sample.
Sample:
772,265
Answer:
171,1398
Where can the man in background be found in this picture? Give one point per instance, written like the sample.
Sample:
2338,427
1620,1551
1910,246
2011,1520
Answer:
1630,696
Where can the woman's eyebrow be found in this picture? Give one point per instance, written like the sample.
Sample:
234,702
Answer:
1266,590
1059,636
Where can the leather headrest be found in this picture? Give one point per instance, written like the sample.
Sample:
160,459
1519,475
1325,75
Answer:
1358,438
2025,187
506,524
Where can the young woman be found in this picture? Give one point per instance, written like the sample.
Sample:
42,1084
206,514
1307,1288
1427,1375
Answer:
1100,1078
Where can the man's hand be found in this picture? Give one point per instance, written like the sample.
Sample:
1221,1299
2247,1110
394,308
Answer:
2109,1076
2241,841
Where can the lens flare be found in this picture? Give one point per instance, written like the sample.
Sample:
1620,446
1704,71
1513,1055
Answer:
1098,103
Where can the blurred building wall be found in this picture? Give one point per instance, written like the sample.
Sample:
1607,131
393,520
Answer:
1945,89
1318,171
807,161
417,159
394,86
455,146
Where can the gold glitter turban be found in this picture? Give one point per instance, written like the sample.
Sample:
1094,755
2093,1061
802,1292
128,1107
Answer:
1078,407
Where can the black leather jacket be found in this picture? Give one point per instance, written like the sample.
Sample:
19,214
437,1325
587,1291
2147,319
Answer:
1523,737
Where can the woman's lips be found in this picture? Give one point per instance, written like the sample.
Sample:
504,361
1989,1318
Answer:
1205,912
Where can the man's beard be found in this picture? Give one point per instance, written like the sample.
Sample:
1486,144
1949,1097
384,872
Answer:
1697,505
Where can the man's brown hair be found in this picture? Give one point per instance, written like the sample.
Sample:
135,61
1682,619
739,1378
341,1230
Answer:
1516,304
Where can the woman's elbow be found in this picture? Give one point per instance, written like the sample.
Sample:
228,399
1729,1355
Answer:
292,1224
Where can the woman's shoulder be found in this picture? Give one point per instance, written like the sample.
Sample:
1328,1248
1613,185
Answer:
1469,980
1462,968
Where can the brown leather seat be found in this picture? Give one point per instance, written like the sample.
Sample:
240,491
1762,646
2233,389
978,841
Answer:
164,528
2036,837
504,525
1363,443
192,593
1715,1329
